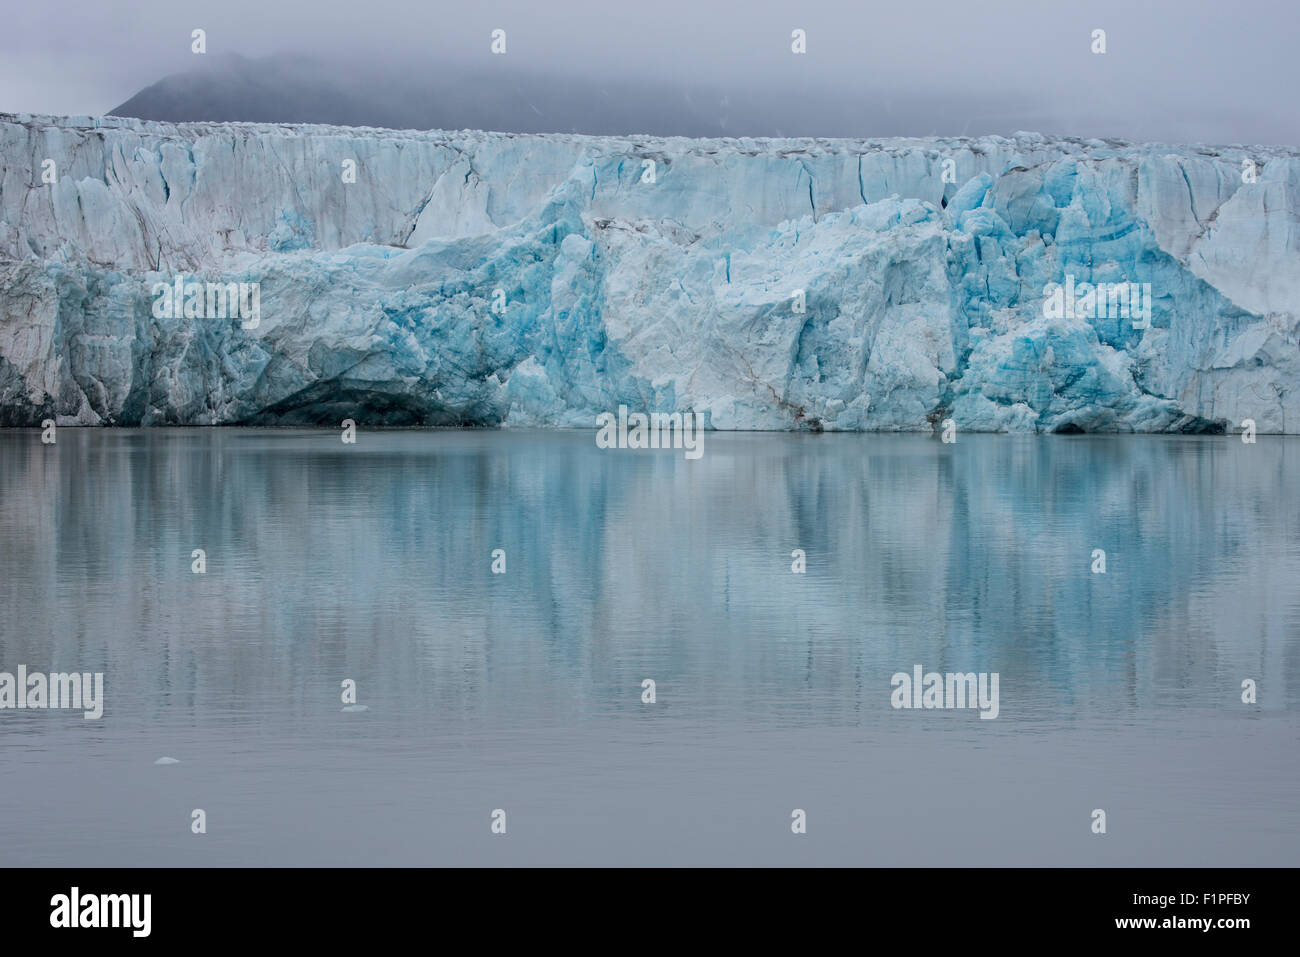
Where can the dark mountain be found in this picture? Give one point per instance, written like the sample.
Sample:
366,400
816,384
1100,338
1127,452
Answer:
443,96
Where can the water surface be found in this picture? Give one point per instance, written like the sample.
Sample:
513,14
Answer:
523,691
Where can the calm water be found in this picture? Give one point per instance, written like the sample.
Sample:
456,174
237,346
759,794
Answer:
522,691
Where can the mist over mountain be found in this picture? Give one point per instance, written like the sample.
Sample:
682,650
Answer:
300,89
1169,72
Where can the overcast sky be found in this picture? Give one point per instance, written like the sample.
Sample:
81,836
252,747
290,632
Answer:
1175,70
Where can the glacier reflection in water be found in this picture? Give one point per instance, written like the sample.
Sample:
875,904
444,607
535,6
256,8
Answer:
522,691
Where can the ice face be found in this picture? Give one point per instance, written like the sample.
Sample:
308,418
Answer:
540,280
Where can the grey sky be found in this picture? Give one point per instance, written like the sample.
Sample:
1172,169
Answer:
1175,70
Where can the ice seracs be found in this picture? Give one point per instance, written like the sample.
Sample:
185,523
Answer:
538,280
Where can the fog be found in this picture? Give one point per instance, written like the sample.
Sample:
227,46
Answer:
1171,72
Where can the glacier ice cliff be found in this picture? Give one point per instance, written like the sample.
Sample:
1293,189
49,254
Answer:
536,280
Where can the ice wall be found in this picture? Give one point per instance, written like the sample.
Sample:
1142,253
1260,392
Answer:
482,278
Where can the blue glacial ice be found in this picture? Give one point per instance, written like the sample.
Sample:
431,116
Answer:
538,280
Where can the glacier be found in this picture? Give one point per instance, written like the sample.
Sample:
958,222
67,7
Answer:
487,279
